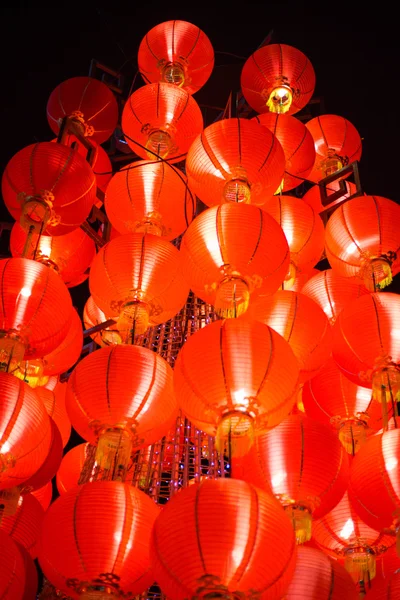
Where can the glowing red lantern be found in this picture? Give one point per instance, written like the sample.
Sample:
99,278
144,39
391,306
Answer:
54,403
24,526
297,144
300,281
387,565
12,569
31,575
386,589
151,197
49,187
71,467
51,463
89,102
362,239
314,199
44,495
176,52
277,78
68,352
235,160
92,315
160,119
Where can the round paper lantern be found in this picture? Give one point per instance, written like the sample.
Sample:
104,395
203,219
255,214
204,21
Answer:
71,467
176,52
314,199
277,78
54,403
337,144
362,239
69,255
247,380
297,144
319,577
161,119
386,589
332,292
25,434
211,540
137,278
96,537
31,575
304,231
386,566
44,495
305,466
89,102
92,316
333,399
235,160
151,197
12,569
233,251
49,187
49,467
68,352
24,526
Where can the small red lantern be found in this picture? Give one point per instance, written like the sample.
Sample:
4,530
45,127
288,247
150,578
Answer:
12,569
24,526
314,199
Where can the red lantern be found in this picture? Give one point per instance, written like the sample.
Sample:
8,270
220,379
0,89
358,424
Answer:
12,569
386,566
71,467
24,526
300,281
137,278
277,78
314,199
54,403
362,239
92,315
49,187
68,352
31,575
297,144
386,589
161,120
49,467
176,52
231,252
151,197
44,495
89,102
337,144
235,160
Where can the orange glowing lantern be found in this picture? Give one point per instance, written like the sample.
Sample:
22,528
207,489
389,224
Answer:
71,467
235,160
92,316
161,120
68,352
387,565
137,278
297,144
95,540
31,575
385,589
12,569
150,197
300,281
176,52
337,144
24,526
49,188
44,495
362,239
277,78
314,199
231,252
54,403
89,102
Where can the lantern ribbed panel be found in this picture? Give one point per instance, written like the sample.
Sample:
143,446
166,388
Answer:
57,169
68,352
92,315
179,43
297,144
342,527
143,262
44,495
97,529
231,150
165,107
29,292
89,96
25,525
243,237
72,253
301,461
363,228
150,191
127,385
51,383
220,532
70,469
319,577
330,395
54,403
242,363
301,322
273,65
303,228
333,135
25,433
332,292
31,575
388,589
300,281
313,196
387,565
364,332
49,467
375,480
12,569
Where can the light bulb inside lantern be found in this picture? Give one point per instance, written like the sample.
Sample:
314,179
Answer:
173,72
280,99
159,143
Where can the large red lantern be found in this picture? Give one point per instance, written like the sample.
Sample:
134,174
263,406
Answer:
277,78
71,467
211,541
49,187
235,160
176,52
297,144
96,538
314,199
362,239
337,144
68,352
231,252
89,102
54,403
152,197
12,569
24,526
161,120
44,495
